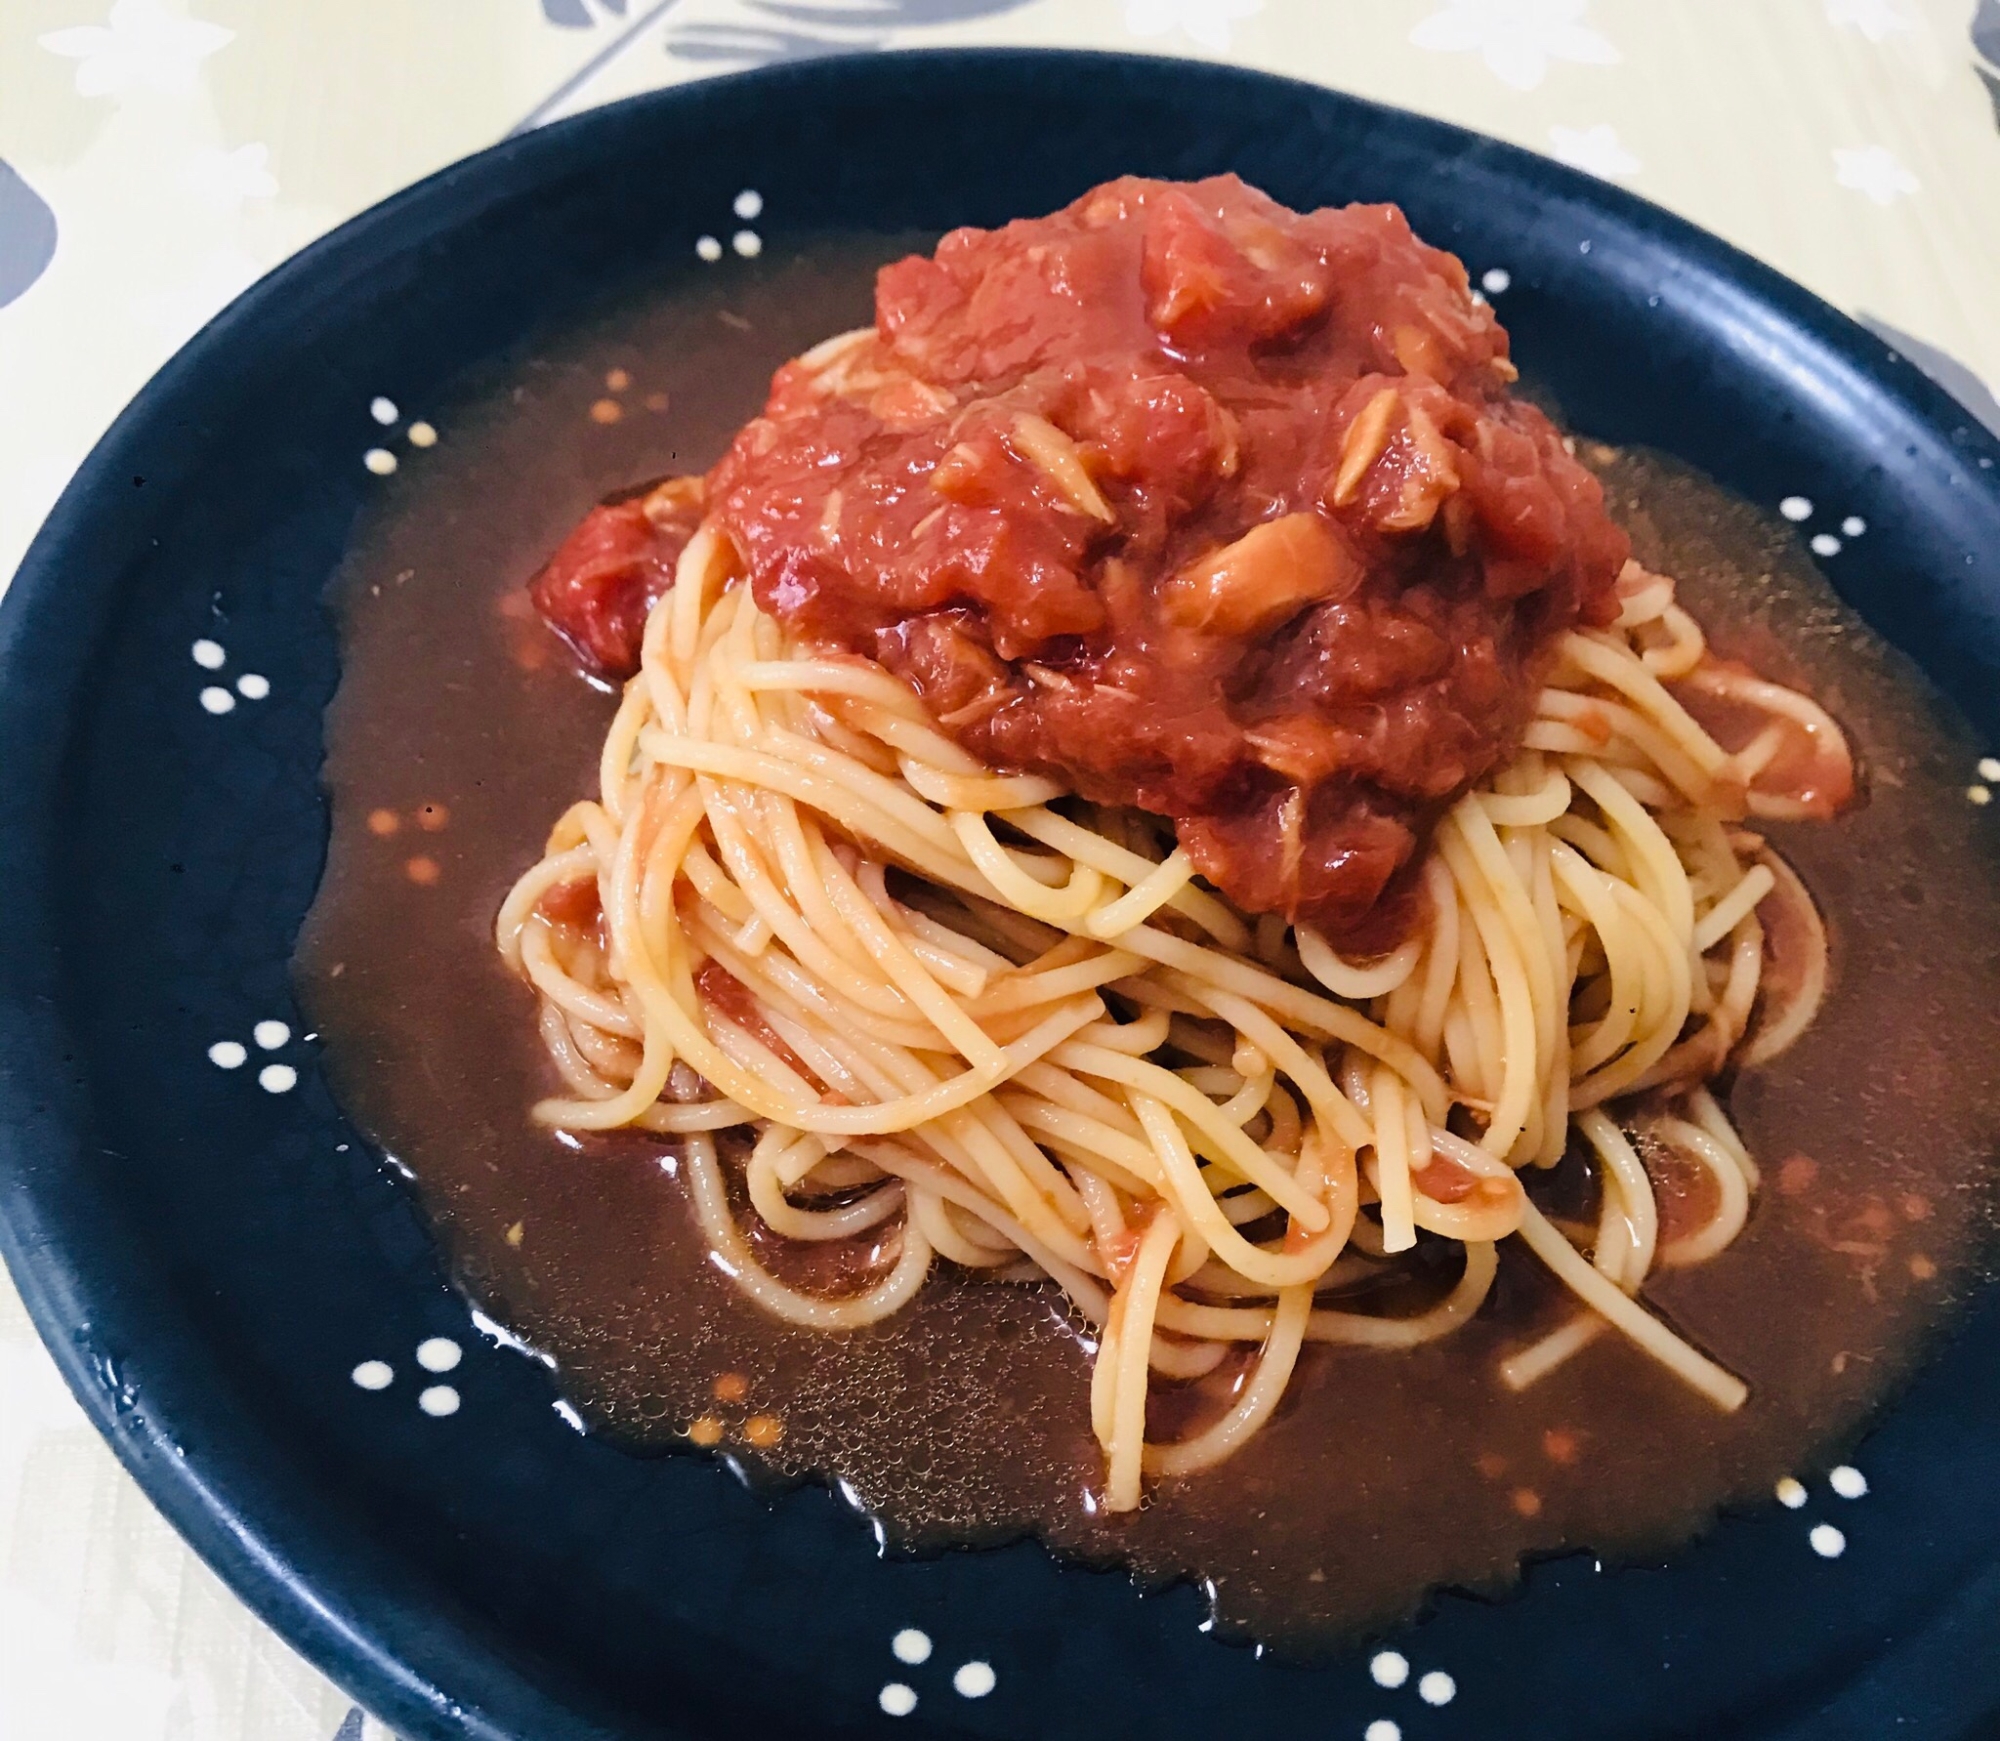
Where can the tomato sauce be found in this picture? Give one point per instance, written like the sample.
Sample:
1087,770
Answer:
614,568
1186,499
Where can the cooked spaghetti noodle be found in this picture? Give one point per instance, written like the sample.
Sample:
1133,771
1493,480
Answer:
969,1017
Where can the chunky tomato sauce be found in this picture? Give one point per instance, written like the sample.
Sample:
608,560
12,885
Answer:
1189,500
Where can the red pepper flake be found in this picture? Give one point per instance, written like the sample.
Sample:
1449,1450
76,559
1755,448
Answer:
1796,1175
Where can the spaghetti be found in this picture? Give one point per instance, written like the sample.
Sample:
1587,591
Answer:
968,1016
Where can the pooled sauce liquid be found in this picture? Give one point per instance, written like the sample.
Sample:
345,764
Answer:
462,730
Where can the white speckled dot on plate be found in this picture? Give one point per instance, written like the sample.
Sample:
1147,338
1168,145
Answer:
1437,1688
439,1354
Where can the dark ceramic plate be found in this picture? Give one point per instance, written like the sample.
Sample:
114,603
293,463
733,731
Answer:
209,1261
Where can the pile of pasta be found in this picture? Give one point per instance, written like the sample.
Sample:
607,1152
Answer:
961,1015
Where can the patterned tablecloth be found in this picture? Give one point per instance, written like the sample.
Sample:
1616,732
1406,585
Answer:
156,156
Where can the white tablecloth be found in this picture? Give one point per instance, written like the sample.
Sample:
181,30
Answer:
158,155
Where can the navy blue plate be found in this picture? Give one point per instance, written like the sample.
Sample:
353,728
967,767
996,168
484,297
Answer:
209,1260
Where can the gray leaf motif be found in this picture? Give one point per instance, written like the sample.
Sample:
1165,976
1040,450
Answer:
577,15
1986,30
354,1726
758,46
27,235
1986,43
828,27
896,14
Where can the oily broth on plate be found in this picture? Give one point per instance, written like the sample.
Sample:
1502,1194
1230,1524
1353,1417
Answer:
1383,1475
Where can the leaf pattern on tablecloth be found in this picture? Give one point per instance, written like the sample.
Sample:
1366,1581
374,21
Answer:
1986,30
27,235
1986,47
885,14
759,45
577,14
801,29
